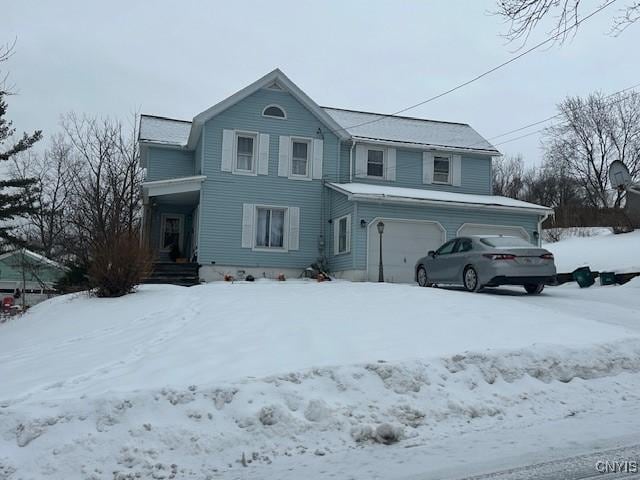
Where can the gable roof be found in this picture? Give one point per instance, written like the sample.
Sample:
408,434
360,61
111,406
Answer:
347,124
410,130
279,79
387,194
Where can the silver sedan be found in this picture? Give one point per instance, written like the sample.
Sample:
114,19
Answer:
487,261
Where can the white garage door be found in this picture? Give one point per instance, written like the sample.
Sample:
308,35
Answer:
403,243
479,229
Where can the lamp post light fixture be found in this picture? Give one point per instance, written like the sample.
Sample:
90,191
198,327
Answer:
380,226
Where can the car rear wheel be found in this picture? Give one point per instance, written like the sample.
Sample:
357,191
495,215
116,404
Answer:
423,280
534,288
470,279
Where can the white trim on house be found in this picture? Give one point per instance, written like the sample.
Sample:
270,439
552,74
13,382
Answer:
163,217
276,76
336,235
173,185
284,112
425,146
392,219
514,227
415,196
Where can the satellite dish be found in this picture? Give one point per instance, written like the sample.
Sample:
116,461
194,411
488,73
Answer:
619,175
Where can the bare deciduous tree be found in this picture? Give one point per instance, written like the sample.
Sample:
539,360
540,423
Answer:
524,16
105,203
593,132
508,176
46,226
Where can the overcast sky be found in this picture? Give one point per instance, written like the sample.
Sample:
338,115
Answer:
177,58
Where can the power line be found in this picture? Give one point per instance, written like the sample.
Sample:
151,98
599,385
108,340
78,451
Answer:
484,74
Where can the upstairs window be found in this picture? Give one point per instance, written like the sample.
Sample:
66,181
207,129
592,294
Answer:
375,163
245,153
274,111
300,158
441,169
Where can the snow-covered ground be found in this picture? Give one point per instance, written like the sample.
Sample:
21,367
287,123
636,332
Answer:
303,379
597,248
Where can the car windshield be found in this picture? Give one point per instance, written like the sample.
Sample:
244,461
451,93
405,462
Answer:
500,242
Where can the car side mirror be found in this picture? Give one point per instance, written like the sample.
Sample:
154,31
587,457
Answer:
432,254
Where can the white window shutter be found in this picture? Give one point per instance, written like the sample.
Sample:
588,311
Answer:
391,165
294,228
427,167
248,210
263,154
361,160
456,170
284,156
228,137
318,152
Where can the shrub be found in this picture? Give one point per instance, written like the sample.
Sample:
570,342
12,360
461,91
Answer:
118,265
75,279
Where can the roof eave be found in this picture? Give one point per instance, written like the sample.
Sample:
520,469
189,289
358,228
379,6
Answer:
427,146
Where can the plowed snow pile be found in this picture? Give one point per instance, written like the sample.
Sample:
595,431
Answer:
239,380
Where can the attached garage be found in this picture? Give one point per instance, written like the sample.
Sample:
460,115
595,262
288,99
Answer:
481,229
403,243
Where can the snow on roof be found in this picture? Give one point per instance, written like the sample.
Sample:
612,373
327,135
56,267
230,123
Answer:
376,126
35,256
164,130
383,192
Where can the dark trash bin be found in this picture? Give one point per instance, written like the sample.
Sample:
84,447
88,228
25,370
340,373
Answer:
607,278
583,276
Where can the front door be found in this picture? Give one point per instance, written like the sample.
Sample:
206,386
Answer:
172,232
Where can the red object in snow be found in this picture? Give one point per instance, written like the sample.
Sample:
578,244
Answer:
7,302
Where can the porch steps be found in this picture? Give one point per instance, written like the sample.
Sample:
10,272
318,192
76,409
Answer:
185,274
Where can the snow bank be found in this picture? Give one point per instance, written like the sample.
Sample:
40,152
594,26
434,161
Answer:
603,251
232,380
240,426
166,335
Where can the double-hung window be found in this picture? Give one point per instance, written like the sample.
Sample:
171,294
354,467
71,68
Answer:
375,163
245,153
300,150
342,234
441,169
270,227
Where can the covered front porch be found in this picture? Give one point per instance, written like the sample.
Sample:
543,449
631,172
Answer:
171,209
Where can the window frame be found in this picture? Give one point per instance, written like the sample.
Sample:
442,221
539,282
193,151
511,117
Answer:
384,163
440,156
309,143
285,229
254,157
347,234
180,218
284,112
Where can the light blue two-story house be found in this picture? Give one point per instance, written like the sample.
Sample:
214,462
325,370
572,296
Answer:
268,182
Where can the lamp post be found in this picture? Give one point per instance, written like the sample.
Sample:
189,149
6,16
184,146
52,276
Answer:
380,226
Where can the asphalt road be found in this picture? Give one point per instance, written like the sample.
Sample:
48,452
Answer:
605,464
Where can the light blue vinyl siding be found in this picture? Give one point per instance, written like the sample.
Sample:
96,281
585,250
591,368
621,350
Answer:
450,218
339,206
224,193
475,173
164,163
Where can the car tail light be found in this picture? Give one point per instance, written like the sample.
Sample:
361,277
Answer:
547,256
500,256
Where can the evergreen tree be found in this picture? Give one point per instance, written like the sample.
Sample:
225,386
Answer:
17,196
